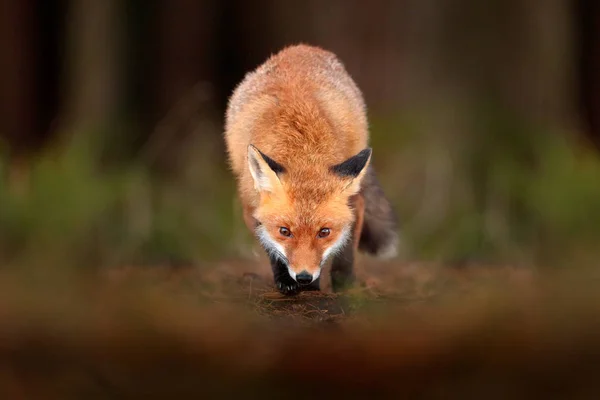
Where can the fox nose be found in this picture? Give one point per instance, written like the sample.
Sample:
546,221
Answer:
304,278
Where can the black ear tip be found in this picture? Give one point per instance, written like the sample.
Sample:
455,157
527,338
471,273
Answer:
274,165
364,154
354,165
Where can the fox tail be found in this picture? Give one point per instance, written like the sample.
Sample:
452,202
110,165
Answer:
379,236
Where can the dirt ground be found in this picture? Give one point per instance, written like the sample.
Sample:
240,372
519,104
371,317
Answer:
377,283
407,330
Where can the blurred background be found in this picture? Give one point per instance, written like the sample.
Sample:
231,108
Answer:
485,125
484,122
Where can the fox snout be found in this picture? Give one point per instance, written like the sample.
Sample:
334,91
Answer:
304,278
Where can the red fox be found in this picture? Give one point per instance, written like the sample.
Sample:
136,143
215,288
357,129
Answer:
296,135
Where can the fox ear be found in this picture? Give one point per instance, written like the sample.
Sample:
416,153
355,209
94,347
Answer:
354,169
264,170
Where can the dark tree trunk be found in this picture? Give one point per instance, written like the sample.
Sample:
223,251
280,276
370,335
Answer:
16,69
30,63
587,16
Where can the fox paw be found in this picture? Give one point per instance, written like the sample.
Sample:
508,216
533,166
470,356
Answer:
287,285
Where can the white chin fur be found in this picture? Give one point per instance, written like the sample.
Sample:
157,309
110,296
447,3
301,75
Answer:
273,248
316,275
292,273
337,246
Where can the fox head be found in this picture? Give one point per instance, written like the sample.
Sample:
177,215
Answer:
304,214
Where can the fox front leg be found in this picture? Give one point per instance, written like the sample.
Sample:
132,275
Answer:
283,281
342,269
342,266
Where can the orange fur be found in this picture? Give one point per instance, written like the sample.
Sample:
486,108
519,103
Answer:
302,110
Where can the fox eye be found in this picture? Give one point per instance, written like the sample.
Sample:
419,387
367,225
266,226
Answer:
285,231
324,232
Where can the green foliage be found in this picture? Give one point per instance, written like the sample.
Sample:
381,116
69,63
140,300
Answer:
500,190
515,193
72,211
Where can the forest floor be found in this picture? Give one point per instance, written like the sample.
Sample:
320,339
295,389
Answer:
408,330
377,283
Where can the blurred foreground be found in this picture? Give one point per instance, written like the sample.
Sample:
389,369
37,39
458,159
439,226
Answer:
408,330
